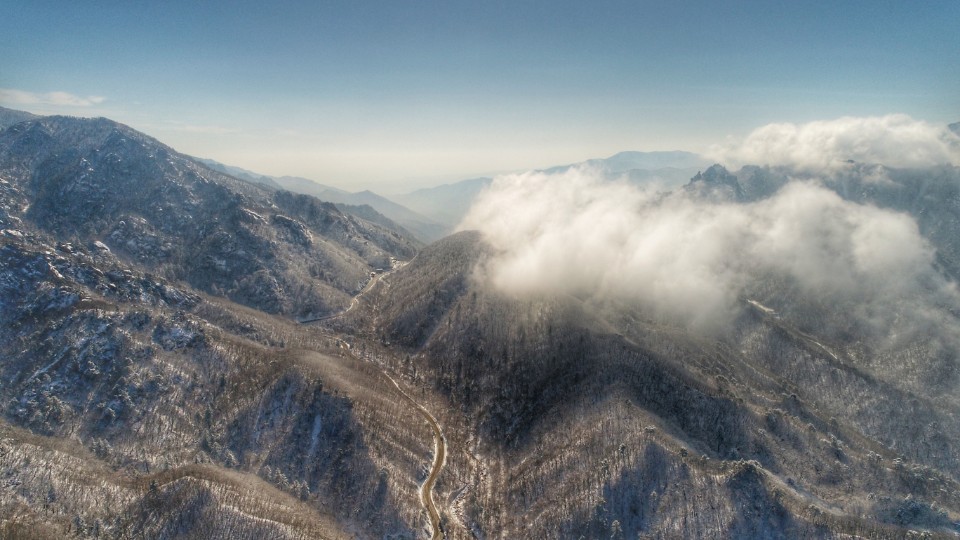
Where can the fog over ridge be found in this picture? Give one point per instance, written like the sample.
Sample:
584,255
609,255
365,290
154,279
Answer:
895,140
691,259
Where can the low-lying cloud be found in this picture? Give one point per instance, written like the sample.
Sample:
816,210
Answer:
15,97
686,258
894,140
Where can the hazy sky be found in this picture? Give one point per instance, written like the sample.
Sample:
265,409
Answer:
398,94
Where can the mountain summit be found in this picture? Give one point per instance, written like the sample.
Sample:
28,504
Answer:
716,183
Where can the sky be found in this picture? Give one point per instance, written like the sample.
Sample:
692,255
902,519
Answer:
395,95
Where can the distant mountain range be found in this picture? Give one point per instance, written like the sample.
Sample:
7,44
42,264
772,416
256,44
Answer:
424,228
648,162
449,203
242,174
431,213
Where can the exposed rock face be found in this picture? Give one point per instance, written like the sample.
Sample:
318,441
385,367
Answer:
716,184
297,232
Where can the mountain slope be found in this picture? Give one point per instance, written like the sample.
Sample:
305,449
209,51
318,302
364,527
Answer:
95,180
133,406
423,228
9,117
635,426
242,174
411,223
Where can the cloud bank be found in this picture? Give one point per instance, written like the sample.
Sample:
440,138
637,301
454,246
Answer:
894,140
686,258
14,97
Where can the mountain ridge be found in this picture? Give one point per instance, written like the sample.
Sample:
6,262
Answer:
9,117
420,226
472,343
187,219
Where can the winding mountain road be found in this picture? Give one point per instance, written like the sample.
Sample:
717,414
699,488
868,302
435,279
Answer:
439,441
439,458
366,288
439,452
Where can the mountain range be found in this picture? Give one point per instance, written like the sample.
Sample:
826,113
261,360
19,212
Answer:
421,227
189,352
449,203
431,213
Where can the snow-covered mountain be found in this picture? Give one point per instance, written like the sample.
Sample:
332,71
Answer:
9,117
157,380
97,180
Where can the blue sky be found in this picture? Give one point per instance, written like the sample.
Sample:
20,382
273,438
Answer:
390,95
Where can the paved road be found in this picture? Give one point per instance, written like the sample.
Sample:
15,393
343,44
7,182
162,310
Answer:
353,302
356,299
439,457
439,453
439,441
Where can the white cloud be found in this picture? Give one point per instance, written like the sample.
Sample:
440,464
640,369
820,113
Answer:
14,97
685,258
894,140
